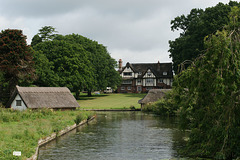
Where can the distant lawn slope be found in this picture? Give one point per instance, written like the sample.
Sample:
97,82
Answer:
110,101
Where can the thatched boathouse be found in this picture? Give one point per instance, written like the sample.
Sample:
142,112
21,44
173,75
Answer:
153,96
42,97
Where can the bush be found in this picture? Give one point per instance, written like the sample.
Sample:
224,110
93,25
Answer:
164,107
78,119
132,108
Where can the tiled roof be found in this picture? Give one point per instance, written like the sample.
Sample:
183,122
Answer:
156,68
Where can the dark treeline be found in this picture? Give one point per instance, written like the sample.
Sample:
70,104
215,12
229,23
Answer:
54,60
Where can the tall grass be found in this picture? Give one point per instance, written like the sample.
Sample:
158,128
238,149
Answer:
21,130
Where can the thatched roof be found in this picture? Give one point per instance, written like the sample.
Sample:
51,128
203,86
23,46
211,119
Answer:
45,97
154,95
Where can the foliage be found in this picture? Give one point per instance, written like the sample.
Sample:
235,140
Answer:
210,95
45,71
73,61
103,65
16,61
194,27
164,106
68,65
45,34
132,107
78,119
21,130
4,92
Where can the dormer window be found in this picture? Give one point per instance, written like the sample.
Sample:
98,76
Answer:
127,73
164,73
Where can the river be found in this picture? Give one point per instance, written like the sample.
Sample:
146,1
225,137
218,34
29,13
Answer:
118,136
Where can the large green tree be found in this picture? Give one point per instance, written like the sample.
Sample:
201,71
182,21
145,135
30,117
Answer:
46,33
194,27
16,60
209,94
104,65
67,65
73,58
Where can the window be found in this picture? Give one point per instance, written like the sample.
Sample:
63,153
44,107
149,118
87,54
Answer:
129,88
127,73
139,81
149,74
148,88
140,73
164,73
160,80
18,103
139,89
127,82
122,88
149,80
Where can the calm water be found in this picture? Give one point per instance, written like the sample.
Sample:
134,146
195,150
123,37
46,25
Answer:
118,136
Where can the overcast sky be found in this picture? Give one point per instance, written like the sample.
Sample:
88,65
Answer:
133,30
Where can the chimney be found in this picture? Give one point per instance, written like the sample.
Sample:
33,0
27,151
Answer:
120,65
158,66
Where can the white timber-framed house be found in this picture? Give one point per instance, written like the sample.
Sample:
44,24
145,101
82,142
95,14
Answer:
142,77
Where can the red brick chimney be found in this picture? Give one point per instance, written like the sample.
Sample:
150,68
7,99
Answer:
158,66
120,65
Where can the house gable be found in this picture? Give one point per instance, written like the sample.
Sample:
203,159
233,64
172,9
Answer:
42,97
149,74
127,72
18,103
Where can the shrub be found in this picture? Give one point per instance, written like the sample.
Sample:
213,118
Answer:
132,108
78,119
164,107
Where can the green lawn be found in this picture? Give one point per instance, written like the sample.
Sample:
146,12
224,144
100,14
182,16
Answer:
110,101
20,131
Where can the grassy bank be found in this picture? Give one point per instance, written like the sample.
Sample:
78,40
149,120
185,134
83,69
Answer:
20,131
110,101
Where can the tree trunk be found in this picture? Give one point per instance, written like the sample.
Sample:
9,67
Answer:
77,96
89,93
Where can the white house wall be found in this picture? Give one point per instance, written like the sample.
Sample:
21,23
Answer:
167,81
127,69
14,104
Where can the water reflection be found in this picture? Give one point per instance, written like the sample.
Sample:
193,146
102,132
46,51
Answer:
118,136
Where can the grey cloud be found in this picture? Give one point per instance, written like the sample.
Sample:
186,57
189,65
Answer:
135,30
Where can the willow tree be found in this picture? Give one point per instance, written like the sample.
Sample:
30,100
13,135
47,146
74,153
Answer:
209,95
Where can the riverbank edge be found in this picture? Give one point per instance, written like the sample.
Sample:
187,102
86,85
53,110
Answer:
53,136
111,110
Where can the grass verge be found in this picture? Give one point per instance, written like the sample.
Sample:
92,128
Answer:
20,131
110,101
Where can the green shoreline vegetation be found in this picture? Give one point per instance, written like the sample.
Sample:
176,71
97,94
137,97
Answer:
21,130
206,96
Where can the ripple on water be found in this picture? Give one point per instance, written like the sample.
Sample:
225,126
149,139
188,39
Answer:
117,135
